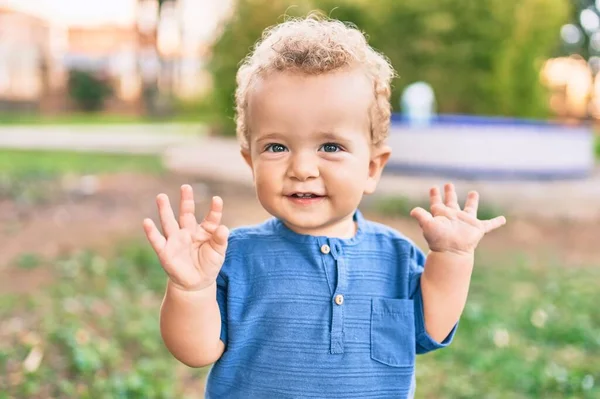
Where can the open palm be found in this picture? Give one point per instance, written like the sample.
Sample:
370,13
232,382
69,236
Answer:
448,228
191,254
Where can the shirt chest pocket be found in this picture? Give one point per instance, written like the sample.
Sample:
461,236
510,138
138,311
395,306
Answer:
393,332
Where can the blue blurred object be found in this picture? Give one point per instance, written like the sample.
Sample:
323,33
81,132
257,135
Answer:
490,148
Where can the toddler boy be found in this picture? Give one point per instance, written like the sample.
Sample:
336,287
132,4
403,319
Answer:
316,301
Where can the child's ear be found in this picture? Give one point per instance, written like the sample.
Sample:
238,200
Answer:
246,155
379,157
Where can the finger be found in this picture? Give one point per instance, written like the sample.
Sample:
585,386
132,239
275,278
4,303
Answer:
421,215
443,210
212,221
167,217
435,198
187,209
451,200
469,218
218,240
157,241
493,224
472,203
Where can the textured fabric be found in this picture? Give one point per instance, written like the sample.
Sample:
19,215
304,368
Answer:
288,332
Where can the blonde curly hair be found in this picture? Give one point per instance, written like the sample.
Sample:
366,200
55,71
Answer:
316,45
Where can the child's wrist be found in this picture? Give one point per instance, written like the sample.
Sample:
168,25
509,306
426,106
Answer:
196,292
455,253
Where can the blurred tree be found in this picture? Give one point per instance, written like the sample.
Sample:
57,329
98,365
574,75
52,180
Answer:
582,36
481,57
88,90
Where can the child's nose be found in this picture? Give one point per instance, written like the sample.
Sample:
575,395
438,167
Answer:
303,167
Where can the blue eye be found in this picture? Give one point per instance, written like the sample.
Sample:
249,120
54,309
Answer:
331,147
275,148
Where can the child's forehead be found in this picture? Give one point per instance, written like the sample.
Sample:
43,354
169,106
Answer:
349,78
333,105
329,98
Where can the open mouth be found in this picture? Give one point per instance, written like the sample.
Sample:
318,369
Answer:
305,198
305,195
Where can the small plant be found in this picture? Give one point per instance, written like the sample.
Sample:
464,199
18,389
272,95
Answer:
88,90
29,261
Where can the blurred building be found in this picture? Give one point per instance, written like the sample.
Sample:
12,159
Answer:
143,50
24,60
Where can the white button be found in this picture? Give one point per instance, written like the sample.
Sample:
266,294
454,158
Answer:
339,299
325,249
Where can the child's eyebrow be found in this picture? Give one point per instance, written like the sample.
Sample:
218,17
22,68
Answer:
321,136
333,136
269,136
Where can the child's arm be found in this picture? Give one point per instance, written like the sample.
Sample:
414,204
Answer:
445,286
190,325
452,235
192,255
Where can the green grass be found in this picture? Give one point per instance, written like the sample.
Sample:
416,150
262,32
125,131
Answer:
530,330
98,330
59,162
597,146
32,177
97,119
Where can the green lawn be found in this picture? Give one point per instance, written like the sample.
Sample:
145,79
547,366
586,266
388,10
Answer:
530,330
96,119
97,329
19,162
33,177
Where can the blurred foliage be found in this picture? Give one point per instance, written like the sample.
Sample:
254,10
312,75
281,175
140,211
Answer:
88,90
97,330
529,331
582,47
481,57
597,146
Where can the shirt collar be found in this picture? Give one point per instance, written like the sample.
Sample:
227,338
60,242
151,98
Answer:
286,232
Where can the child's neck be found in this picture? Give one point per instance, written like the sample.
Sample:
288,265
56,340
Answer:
344,229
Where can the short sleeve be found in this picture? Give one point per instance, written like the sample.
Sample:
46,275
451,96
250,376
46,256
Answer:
423,340
222,302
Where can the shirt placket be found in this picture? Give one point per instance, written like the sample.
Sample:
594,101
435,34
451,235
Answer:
338,298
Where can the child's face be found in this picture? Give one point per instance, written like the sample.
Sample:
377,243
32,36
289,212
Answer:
311,135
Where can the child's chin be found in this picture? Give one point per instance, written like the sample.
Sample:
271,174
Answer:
305,223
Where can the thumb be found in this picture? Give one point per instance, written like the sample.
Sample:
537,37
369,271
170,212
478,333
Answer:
218,241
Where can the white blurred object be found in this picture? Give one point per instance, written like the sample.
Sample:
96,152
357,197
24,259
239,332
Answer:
418,104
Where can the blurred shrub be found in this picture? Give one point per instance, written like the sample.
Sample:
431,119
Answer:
481,57
88,90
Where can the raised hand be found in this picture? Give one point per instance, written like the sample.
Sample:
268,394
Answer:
191,254
448,228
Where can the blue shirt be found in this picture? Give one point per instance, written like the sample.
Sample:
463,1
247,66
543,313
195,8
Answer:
318,317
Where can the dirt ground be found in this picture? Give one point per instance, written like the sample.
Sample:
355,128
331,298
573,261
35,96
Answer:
118,204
